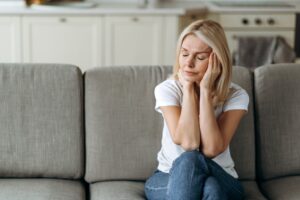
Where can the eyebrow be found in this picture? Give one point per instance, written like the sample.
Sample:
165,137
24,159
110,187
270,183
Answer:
207,50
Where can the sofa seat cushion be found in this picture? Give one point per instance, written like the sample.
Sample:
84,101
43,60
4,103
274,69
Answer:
287,188
252,191
131,190
116,190
41,189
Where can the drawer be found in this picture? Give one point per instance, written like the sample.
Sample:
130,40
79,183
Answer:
257,20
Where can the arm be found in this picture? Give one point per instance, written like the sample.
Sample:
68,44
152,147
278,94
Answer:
183,123
216,134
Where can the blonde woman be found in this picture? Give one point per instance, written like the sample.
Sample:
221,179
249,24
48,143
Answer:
201,109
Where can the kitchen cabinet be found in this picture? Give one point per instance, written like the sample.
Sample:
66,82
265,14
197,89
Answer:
10,48
140,40
63,39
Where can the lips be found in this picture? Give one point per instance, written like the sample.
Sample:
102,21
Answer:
190,73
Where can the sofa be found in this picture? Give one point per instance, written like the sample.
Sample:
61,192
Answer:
68,135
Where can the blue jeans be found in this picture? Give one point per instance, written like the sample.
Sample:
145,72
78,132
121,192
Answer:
193,177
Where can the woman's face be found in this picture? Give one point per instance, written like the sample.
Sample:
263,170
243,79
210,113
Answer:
193,58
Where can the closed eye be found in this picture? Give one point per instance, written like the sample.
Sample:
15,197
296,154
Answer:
201,58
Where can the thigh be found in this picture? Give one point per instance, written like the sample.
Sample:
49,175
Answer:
230,185
156,186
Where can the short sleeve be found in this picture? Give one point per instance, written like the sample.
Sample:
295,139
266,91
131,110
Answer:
239,100
166,94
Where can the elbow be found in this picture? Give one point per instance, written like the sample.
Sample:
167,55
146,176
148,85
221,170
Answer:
189,146
212,151
186,145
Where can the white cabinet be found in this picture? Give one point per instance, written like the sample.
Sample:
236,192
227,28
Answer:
74,40
140,40
10,35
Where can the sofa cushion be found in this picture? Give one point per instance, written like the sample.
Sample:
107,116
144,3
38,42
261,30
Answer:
131,190
116,190
277,100
123,131
252,192
41,189
286,188
243,143
41,121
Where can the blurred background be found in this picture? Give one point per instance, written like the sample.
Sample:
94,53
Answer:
143,32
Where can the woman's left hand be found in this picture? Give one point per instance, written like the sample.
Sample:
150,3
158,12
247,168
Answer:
211,74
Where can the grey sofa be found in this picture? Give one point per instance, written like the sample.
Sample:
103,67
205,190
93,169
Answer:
72,136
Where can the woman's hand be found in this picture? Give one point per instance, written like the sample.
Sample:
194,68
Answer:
185,83
211,74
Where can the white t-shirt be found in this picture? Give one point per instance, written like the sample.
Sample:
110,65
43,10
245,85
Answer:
169,93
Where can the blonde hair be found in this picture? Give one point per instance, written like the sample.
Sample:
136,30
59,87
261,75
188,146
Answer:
213,35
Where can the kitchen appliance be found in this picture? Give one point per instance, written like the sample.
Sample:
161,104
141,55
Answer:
238,24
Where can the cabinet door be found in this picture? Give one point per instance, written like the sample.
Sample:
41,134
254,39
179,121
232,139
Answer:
134,40
10,44
74,40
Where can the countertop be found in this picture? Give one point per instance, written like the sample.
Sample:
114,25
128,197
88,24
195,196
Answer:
171,8
104,9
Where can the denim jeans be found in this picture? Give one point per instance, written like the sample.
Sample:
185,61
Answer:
193,177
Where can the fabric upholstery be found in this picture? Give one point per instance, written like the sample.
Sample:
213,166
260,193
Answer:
116,190
277,100
41,189
243,143
252,192
41,121
131,190
285,188
123,131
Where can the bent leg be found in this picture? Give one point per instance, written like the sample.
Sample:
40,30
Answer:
187,176
156,186
212,190
230,185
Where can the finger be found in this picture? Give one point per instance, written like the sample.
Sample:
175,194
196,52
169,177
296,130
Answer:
210,61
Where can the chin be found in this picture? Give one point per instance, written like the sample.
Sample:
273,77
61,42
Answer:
192,79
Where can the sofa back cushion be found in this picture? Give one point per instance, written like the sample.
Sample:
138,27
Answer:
123,131
277,98
243,143
41,121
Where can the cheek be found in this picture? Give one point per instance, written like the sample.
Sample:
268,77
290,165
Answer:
202,67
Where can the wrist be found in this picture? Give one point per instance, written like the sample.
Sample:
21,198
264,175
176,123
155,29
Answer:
206,93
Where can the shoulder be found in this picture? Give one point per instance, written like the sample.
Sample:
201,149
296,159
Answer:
237,99
237,90
168,87
168,93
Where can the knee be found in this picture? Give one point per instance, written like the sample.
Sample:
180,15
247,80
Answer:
191,160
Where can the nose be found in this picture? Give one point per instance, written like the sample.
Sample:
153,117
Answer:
190,62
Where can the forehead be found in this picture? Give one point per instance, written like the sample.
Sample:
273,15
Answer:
192,42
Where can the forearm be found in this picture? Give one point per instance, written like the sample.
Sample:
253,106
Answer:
211,137
188,130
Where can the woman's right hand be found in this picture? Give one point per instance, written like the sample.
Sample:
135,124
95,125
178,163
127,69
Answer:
185,83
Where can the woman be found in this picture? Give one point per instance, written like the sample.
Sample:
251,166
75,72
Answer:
201,110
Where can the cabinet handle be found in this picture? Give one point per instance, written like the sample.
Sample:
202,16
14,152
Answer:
193,17
245,21
135,19
258,21
271,21
63,20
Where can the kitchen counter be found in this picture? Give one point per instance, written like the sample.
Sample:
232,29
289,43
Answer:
171,8
104,8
